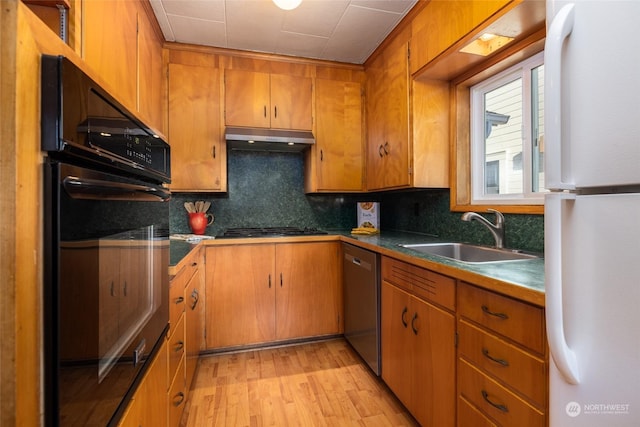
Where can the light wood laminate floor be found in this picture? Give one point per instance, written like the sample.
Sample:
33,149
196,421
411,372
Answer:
322,383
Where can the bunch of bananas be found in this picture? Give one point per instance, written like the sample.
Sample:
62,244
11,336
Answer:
365,231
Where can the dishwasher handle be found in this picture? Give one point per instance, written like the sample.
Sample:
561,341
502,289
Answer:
357,262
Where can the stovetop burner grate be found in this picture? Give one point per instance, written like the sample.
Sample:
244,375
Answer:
270,232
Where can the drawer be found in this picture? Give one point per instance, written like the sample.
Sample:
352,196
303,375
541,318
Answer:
520,370
519,321
177,302
177,397
495,401
176,347
470,416
423,283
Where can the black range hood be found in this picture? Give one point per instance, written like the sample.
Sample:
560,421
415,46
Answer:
258,139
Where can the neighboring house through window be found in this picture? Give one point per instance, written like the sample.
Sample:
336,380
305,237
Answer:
507,136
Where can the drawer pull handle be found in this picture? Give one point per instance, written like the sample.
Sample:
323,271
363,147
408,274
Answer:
486,354
179,346
486,310
404,322
413,326
499,407
195,297
178,402
179,300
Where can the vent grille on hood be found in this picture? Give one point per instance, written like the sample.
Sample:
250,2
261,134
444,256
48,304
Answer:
257,139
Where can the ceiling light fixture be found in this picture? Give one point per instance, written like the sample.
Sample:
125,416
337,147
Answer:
287,4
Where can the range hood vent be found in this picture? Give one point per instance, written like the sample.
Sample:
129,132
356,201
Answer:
257,139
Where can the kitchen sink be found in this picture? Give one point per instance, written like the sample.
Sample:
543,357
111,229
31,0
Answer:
470,253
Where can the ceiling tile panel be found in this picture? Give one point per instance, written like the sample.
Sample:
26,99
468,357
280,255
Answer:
337,30
197,31
359,32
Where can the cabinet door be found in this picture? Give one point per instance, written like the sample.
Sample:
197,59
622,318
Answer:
396,341
110,40
194,331
134,286
376,119
291,102
240,290
151,91
197,149
308,295
339,136
388,120
396,145
247,99
433,388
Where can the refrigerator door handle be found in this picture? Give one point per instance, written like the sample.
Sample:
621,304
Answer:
563,356
558,171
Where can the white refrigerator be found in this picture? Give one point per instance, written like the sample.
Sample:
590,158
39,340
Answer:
592,213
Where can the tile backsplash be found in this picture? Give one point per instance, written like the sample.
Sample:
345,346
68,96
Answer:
266,189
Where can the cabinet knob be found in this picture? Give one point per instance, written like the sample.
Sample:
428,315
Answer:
488,312
486,354
404,322
413,324
498,406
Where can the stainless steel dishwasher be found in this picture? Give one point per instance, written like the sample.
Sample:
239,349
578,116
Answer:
362,303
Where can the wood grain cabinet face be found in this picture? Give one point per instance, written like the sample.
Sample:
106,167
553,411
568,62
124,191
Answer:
264,100
388,163
282,291
502,360
198,150
418,346
339,148
442,23
119,43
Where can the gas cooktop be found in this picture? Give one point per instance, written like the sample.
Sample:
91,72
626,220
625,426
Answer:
270,232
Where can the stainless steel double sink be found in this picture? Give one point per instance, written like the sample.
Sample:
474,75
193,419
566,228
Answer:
468,253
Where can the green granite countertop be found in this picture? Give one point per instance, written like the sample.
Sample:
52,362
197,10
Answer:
522,279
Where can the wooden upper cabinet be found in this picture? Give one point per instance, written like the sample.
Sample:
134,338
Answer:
442,23
198,150
127,54
151,91
388,164
110,42
278,101
338,152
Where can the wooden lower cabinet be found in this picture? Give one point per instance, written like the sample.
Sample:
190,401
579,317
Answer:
418,348
502,360
261,293
149,404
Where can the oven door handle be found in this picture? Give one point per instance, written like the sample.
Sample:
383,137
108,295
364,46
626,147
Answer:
96,189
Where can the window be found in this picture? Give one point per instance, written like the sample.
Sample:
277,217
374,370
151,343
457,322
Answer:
507,130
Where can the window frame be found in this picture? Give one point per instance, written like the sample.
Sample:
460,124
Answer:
460,179
522,70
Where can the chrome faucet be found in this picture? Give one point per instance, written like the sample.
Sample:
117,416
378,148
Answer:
497,229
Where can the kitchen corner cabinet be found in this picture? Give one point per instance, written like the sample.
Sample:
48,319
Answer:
281,291
388,163
264,100
338,155
198,149
418,340
502,360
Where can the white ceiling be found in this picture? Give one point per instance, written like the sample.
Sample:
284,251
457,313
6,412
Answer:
335,30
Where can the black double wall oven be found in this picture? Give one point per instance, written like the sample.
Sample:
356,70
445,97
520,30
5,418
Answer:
106,247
